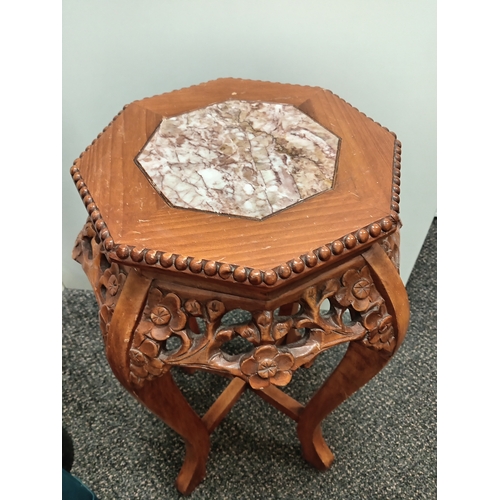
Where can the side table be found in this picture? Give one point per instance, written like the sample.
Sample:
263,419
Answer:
280,201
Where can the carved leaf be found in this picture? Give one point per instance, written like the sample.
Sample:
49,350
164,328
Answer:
142,331
105,313
372,318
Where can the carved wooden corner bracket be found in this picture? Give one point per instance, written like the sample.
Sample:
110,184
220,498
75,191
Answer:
107,278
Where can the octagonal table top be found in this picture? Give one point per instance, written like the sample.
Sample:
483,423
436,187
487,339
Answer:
242,181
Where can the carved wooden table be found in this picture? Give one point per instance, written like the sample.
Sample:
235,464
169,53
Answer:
278,200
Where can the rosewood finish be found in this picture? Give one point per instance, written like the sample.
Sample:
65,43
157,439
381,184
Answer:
319,273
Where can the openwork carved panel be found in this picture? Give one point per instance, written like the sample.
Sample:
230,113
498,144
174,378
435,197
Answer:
345,308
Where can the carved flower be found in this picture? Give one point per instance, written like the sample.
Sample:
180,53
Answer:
383,337
113,280
267,366
165,313
160,315
356,289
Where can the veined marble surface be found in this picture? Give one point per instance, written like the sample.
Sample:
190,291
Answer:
242,158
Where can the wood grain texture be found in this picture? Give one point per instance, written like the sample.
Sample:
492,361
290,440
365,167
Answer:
216,413
358,366
164,398
281,401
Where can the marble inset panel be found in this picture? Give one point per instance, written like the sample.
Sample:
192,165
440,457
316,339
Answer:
249,159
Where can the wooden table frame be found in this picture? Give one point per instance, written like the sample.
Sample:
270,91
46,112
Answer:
320,273
376,330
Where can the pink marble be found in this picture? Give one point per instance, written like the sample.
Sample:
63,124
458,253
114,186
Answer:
243,158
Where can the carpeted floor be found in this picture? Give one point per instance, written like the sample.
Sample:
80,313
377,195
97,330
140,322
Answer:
384,437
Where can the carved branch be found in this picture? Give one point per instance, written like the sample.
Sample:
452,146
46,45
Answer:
167,316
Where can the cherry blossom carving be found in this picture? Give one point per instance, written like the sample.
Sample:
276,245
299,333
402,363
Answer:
382,338
356,289
163,317
111,283
168,314
165,314
378,322
268,365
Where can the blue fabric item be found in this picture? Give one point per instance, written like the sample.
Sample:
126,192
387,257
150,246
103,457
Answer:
74,489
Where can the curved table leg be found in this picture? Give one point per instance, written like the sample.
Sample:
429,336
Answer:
357,367
359,364
161,395
164,398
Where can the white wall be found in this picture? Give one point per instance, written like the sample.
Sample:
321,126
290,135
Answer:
380,56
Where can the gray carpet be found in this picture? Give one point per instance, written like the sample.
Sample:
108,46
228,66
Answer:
384,437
